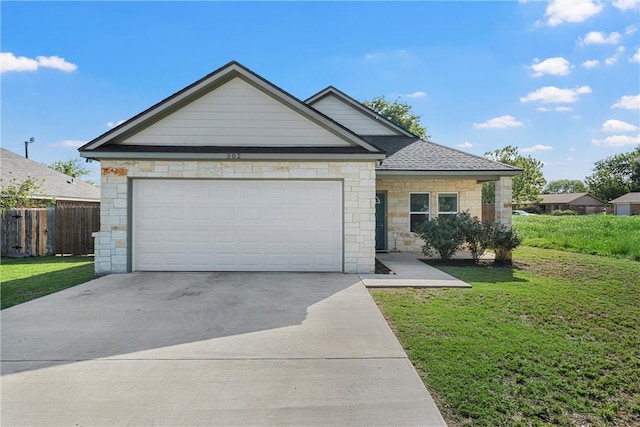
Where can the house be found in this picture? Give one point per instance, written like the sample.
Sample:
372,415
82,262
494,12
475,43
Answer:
627,204
233,173
581,203
54,186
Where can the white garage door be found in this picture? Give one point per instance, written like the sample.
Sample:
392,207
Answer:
623,210
236,225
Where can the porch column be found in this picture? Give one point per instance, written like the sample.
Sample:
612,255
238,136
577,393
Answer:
504,197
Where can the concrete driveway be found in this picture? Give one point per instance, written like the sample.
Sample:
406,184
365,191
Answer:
208,349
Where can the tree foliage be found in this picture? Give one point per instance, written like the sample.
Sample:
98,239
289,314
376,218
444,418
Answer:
616,175
399,113
565,186
73,167
16,195
526,187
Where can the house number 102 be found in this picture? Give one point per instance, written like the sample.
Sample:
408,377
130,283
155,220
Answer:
233,156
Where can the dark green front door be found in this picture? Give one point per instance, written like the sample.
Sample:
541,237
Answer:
381,221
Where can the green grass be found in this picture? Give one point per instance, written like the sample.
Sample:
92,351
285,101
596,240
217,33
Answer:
24,279
606,235
552,341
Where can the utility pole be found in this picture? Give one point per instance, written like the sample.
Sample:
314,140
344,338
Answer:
26,146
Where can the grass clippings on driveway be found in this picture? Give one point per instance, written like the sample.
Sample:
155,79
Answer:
24,279
552,341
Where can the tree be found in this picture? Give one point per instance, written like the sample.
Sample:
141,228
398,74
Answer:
399,113
16,195
616,175
564,186
74,168
526,187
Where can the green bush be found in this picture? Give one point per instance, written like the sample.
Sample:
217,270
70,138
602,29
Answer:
442,235
476,235
503,241
568,212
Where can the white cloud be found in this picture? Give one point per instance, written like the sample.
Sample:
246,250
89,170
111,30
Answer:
382,55
557,66
114,124
635,57
618,126
418,94
630,102
626,4
537,147
552,94
465,144
10,62
499,123
559,109
599,37
631,29
613,59
591,63
70,143
617,141
559,11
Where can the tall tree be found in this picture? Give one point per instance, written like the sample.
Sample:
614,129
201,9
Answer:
399,113
564,186
526,187
616,175
74,168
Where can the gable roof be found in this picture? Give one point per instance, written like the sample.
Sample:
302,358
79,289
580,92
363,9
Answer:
566,198
56,185
415,156
628,198
105,145
358,106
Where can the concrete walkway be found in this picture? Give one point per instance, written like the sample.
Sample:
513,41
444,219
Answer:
410,272
165,349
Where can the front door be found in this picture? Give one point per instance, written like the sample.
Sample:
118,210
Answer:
381,221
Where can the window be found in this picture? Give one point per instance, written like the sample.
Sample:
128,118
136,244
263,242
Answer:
447,203
418,210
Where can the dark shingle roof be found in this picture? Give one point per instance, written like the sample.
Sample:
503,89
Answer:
413,154
56,185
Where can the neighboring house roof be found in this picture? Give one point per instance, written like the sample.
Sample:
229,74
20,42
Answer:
413,155
628,198
357,106
568,198
121,141
56,185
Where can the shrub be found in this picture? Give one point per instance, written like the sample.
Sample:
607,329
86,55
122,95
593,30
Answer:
476,235
442,235
563,213
503,241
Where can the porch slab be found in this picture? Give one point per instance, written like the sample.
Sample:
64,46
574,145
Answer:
410,272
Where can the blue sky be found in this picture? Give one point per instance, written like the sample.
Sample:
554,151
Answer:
560,79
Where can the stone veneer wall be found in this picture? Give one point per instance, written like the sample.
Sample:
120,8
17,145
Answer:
398,190
112,245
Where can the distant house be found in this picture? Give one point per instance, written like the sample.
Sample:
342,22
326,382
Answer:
581,203
628,204
55,186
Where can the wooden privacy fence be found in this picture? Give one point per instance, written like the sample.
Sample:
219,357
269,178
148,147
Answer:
52,231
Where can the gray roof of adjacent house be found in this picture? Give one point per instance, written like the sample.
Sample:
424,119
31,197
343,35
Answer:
414,154
628,198
567,198
56,185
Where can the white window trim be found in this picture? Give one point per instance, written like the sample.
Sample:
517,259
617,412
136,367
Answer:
457,202
428,214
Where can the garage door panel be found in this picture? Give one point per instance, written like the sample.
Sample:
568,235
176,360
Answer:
233,225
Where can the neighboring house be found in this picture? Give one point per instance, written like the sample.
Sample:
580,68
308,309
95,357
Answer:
233,173
628,204
581,203
54,186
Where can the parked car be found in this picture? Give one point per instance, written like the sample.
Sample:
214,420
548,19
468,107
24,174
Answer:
519,212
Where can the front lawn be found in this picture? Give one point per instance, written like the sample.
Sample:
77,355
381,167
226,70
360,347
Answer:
24,279
552,341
